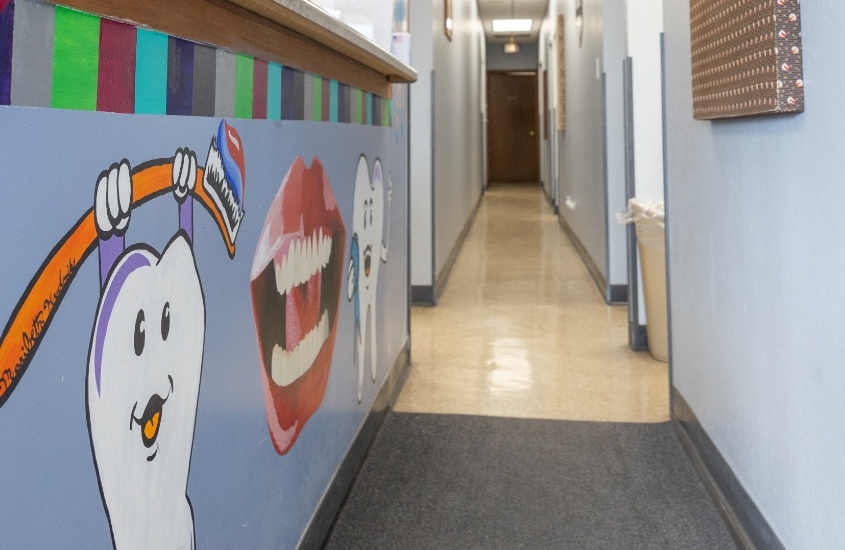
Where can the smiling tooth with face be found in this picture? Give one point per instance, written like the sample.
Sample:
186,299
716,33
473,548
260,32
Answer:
146,353
367,252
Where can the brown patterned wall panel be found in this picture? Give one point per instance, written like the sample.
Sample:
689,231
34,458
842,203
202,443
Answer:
746,57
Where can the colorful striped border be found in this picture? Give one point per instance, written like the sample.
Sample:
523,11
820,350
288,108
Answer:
97,64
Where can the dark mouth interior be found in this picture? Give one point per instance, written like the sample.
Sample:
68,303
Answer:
151,417
271,306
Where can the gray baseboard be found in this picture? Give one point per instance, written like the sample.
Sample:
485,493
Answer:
618,294
422,295
440,284
638,338
595,272
748,526
324,516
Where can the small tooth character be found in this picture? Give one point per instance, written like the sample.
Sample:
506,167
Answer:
370,221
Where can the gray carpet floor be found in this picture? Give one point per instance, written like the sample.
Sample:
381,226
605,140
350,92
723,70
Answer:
449,481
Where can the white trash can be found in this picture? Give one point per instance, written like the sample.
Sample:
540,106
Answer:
649,218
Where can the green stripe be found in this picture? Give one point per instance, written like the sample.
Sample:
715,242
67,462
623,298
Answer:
244,66
76,57
316,98
385,116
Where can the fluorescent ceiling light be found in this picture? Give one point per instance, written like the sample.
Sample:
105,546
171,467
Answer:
512,25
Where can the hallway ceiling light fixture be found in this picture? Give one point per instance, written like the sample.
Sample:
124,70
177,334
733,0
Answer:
512,25
511,46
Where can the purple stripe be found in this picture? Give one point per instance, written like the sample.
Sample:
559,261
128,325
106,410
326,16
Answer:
135,260
180,76
7,22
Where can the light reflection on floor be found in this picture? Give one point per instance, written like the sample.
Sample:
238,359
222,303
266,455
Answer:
522,331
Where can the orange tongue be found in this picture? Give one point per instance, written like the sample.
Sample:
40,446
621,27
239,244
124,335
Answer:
151,427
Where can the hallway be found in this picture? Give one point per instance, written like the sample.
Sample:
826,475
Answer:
521,330
525,419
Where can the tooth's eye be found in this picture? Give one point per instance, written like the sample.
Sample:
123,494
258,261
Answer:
365,215
165,321
140,331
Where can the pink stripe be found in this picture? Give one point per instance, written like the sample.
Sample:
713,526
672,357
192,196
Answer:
259,89
116,82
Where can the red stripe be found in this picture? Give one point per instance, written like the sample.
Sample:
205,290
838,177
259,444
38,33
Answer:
326,99
116,82
259,89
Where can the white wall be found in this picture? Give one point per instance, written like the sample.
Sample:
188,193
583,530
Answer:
756,256
421,16
644,25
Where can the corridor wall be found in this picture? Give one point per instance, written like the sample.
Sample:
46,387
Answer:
755,235
447,137
204,284
580,146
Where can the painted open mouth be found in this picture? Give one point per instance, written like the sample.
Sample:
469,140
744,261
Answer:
150,420
295,283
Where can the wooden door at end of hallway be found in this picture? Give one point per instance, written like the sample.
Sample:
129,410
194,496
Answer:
513,146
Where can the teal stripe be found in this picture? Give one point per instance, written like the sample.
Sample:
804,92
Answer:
151,73
274,91
333,101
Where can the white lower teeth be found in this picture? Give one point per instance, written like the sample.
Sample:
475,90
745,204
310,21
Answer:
288,366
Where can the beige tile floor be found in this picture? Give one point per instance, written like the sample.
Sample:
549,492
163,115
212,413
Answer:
521,329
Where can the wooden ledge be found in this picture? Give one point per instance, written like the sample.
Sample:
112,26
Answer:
291,32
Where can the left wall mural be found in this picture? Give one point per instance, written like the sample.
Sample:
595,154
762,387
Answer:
177,366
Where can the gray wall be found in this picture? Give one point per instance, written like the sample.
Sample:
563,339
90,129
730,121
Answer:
525,60
457,126
581,160
447,96
756,237
614,53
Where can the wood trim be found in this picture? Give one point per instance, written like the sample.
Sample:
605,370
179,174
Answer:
227,25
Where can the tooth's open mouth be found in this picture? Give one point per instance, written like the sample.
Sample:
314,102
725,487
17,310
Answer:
299,293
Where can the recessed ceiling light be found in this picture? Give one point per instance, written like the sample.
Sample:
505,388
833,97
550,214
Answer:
512,25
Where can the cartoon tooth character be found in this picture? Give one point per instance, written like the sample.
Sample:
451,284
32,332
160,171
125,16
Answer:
367,251
144,367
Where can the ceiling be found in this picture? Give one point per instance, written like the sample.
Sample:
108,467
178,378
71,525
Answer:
522,9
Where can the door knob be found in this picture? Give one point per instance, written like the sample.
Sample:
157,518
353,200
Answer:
531,133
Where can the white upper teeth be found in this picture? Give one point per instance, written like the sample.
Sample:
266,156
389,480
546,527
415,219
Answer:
305,258
289,365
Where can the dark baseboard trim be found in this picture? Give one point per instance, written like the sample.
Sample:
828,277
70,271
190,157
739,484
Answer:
440,285
748,526
322,522
594,270
422,295
639,338
618,294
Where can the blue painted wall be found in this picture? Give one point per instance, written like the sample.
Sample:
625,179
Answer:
756,233
243,493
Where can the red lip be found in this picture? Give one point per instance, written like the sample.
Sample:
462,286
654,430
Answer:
295,283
